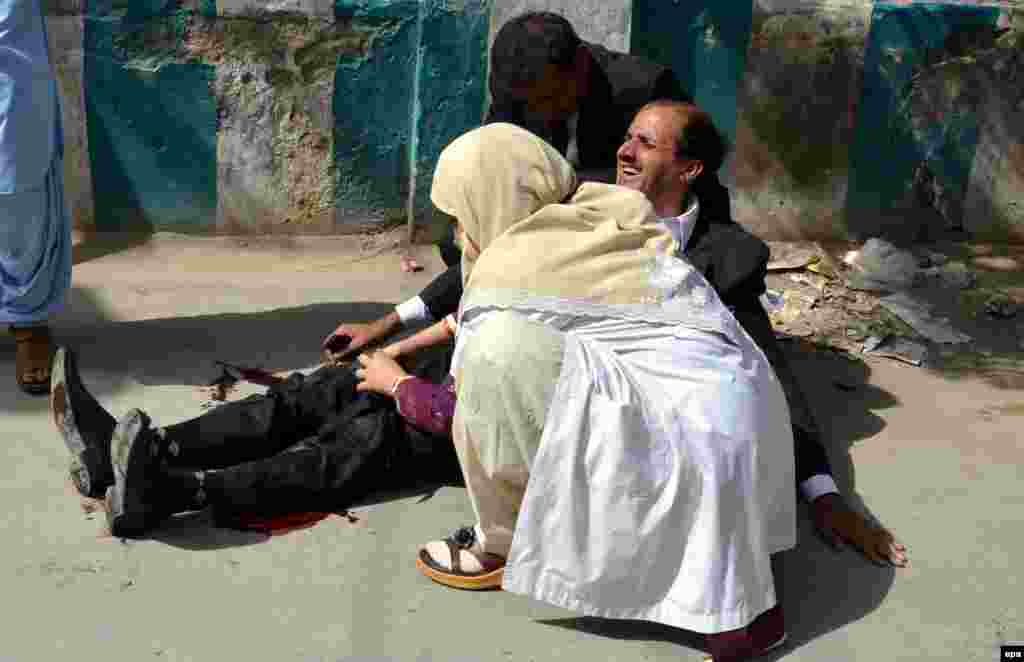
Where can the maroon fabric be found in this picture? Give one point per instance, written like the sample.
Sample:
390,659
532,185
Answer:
428,406
254,375
749,642
274,526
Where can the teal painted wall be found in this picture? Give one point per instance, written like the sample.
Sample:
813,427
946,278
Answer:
206,117
152,134
705,42
894,142
373,107
856,119
451,67
848,118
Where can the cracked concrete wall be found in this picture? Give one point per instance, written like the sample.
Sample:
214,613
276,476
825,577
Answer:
273,87
796,115
261,116
852,118
849,118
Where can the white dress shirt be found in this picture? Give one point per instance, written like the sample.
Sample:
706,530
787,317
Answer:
572,152
681,226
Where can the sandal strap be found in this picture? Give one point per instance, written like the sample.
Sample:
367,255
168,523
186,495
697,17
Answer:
30,333
453,550
464,537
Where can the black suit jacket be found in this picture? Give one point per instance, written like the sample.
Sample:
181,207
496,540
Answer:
733,260
620,84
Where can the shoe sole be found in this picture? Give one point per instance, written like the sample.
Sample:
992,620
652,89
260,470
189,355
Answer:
90,480
765,651
127,513
486,582
777,644
64,418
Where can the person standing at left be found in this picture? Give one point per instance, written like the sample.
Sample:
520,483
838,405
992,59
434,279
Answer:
35,232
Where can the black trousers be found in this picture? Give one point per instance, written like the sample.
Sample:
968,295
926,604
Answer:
450,253
311,444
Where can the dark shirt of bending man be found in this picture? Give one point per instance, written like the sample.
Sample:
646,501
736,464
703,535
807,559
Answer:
582,98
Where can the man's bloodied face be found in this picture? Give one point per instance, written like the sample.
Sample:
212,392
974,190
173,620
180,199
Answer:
647,160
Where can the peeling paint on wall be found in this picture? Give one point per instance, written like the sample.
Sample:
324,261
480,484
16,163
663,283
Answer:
275,142
797,108
902,164
848,116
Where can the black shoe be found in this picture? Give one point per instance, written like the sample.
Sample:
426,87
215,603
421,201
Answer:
85,425
132,501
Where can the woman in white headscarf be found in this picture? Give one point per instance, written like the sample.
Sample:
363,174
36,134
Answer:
625,444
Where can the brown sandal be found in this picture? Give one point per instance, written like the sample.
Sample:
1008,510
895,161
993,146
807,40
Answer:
493,566
32,360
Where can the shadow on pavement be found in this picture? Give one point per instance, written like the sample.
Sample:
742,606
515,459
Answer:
99,244
821,590
182,351
196,531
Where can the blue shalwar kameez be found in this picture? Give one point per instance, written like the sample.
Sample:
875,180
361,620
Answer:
35,233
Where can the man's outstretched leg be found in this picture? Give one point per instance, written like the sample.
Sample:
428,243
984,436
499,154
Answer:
236,432
365,449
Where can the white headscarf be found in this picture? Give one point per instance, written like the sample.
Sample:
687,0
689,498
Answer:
506,186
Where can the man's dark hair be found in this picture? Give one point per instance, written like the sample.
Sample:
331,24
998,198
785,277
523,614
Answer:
526,44
699,138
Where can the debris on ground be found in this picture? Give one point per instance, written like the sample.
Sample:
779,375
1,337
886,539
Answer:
825,266
882,301
1002,306
896,348
811,279
951,275
787,256
218,390
919,316
772,300
802,256
787,311
881,266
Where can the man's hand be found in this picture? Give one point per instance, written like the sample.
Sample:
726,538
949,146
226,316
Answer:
378,373
394,350
837,523
358,335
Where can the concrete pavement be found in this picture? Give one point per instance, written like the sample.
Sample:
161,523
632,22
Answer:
938,461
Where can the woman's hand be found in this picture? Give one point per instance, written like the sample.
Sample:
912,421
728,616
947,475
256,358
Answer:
377,372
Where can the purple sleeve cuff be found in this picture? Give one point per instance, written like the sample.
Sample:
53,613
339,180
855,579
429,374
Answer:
428,406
